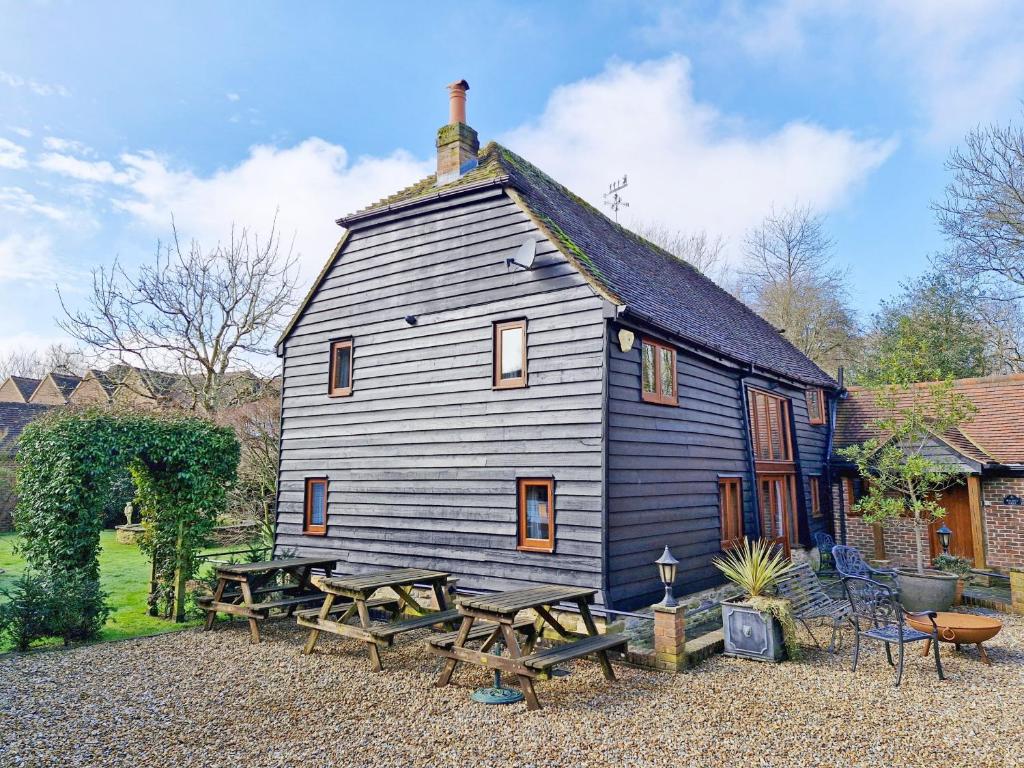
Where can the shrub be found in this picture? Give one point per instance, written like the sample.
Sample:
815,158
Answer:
27,613
961,566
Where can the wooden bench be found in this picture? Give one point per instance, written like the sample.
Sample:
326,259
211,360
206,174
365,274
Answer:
388,631
380,602
576,649
446,640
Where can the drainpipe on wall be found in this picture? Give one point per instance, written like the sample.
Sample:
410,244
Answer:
833,408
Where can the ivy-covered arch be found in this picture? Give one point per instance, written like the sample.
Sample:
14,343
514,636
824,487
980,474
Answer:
182,467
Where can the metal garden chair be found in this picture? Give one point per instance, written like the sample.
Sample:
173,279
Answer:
878,615
849,562
824,543
809,600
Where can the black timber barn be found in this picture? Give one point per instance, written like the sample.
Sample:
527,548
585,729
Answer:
490,377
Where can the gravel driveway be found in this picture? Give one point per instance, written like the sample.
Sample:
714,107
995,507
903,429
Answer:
211,700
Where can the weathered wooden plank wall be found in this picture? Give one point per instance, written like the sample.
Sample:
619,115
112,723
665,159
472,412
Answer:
423,457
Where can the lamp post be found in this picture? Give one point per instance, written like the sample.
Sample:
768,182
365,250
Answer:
667,571
944,533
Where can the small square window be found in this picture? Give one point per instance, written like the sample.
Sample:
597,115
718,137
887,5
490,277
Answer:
730,507
658,373
816,406
510,354
340,384
315,522
537,515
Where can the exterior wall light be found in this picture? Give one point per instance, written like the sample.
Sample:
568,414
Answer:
667,566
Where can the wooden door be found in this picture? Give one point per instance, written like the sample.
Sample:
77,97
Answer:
957,504
777,508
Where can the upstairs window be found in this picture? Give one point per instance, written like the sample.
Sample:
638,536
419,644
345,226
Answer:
658,379
315,523
730,507
814,481
510,354
340,374
816,406
537,515
769,427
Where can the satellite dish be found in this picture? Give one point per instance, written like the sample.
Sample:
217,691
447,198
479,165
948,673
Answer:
525,256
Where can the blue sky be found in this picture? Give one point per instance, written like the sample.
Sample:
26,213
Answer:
114,116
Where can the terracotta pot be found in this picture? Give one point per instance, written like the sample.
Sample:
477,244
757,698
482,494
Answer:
959,599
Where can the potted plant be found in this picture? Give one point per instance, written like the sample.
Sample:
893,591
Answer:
905,481
958,566
755,625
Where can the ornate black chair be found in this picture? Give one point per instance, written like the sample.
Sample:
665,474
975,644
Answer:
849,562
824,543
878,615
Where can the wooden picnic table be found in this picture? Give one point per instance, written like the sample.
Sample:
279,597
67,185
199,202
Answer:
359,593
498,613
253,590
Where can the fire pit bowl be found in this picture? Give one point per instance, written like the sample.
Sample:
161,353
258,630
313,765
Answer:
960,629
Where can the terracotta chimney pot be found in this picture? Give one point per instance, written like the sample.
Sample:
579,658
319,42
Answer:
457,102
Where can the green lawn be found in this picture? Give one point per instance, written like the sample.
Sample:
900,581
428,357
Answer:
124,573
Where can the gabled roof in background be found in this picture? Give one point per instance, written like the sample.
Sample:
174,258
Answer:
13,419
26,386
66,382
995,434
628,270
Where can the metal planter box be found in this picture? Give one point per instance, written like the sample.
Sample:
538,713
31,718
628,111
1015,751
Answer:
750,634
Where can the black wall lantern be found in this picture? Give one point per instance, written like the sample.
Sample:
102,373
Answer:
667,571
944,533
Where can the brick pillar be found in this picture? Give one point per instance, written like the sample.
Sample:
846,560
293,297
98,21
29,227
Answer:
1017,591
670,638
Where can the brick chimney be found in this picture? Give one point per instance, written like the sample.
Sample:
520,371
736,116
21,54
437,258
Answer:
457,143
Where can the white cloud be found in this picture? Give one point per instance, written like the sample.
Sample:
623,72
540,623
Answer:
99,171
28,259
68,146
690,167
23,202
233,97
960,63
38,88
25,133
12,155
310,185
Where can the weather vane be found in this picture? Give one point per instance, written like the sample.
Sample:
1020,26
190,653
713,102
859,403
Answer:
613,199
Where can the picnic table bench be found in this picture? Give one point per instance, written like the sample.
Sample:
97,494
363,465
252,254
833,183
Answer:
359,592
498,613
252,590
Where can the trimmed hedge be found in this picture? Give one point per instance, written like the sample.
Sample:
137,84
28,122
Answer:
68,461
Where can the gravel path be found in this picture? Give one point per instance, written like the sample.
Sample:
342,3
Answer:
212,700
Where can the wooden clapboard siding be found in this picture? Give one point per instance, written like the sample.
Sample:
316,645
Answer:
423,457
663,467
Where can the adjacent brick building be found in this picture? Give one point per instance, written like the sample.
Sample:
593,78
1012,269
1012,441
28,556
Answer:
985,511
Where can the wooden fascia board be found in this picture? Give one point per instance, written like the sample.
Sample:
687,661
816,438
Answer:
279,346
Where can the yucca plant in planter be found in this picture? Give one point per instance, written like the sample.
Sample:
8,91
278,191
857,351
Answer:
757,625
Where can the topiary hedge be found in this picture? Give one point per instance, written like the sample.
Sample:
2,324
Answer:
182,467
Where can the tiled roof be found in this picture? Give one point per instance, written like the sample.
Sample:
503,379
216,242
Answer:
65,382
25,385
993,434
653,284
14,417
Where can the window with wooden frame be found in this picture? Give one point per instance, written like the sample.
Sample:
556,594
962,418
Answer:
730,507
315,520
537,515
816,406
510,354
769,427
814,486
658,373
340,373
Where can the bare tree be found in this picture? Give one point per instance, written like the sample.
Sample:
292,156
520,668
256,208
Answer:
699,249
35,364
789,278
982,216
201,315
